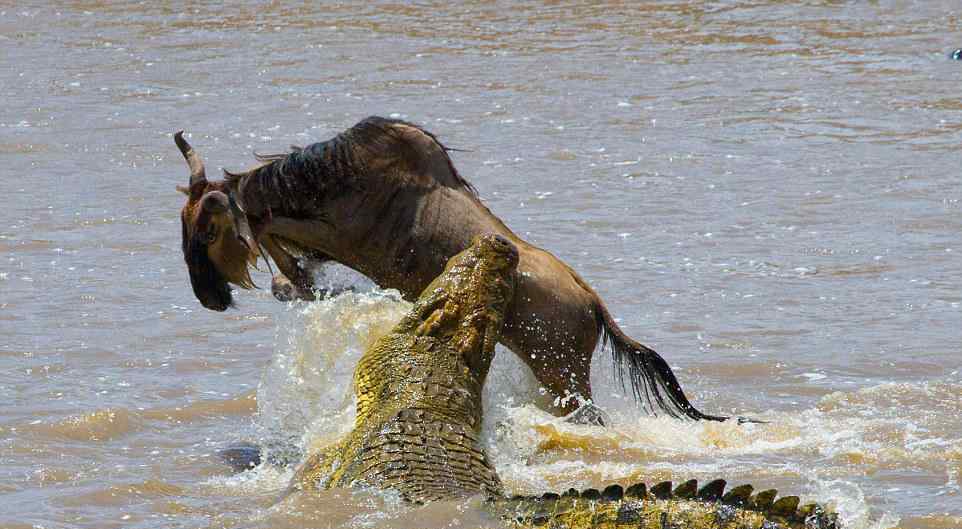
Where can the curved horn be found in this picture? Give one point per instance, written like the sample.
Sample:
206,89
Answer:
197,173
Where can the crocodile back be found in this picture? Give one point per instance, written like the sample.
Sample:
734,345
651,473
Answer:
417,427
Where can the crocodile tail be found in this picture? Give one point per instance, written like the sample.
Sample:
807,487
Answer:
652,381
630,507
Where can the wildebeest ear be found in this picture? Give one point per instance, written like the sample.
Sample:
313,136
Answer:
184,189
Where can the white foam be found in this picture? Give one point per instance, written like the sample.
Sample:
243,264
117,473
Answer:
305,401
305,397
258,480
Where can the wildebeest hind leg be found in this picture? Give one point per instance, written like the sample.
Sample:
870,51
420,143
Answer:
562,364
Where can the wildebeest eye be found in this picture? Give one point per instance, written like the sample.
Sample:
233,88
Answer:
211,235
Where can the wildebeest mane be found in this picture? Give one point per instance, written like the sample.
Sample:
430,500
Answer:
296,181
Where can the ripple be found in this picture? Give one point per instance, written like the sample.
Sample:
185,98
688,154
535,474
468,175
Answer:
98,426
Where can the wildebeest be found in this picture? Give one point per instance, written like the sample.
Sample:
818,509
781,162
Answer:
385,199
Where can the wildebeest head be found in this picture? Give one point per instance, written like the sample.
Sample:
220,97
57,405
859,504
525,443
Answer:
217,242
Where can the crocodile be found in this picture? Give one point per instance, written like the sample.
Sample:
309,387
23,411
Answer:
418,424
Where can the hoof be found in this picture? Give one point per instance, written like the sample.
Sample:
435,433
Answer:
589,415
241,457
284,290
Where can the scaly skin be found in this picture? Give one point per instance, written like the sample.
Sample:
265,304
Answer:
419,388
685,507
419,418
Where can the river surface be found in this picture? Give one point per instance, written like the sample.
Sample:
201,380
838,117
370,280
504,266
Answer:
766,192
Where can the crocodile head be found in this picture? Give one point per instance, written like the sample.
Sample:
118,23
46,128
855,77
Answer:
464,307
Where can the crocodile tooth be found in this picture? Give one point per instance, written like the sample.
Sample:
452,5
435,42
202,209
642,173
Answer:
738,496
613,493
662,491
638,490
785,506
712,491
591,494
764,499
686,490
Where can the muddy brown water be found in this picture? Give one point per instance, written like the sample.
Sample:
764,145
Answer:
766,192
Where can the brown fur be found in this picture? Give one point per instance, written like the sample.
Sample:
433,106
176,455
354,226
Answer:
208,237
385,199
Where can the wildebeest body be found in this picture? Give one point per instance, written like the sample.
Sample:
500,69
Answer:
385,199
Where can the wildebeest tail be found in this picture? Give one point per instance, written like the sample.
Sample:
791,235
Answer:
652,381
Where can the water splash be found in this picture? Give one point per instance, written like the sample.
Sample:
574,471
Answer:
305,401
305,397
